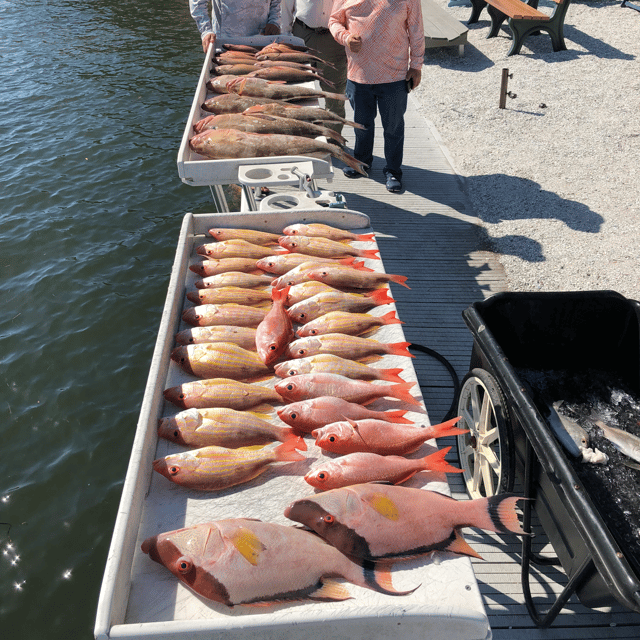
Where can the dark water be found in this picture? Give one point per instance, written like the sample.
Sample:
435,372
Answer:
93,101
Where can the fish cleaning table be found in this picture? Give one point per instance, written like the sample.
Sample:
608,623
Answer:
141,599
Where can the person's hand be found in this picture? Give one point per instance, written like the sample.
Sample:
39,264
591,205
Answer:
210,38
415,75
354,43
271,30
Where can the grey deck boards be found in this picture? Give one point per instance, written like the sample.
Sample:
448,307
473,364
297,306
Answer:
430,234
441,29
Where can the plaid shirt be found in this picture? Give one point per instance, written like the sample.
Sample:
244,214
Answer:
392,38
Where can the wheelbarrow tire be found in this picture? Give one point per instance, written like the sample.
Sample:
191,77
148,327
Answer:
486,452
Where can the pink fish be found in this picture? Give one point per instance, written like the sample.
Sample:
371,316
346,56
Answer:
356,279
240,561
275,332
352,324
307,415
355,468
314,385
236,248
281,264
345,346
323,303
329,363
234,279
237,315
215,468
325,248
375,521
250,235
378,436
298,275
325,231
208,268
244,337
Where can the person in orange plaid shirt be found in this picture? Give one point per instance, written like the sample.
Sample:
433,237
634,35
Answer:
384,42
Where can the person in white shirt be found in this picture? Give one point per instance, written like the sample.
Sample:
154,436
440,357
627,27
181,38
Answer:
309,20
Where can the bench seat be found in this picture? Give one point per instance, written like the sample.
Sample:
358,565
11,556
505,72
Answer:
441,29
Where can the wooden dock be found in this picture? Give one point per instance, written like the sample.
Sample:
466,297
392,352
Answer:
430,234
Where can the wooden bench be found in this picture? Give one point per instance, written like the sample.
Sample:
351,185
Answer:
524,20
441,29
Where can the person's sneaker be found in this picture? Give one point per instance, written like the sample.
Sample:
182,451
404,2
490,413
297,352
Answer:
393,184
351,173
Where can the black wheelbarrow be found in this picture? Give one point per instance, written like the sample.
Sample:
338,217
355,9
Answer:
556,338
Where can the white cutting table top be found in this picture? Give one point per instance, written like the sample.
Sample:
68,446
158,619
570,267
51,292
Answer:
141,599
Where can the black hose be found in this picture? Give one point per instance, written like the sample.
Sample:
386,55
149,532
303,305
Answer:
452,372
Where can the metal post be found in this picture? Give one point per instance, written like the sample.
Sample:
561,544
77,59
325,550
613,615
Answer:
503,88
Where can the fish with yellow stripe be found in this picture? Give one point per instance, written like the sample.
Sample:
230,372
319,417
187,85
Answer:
352,324
236,248
250,235
345,346
237,315
214,468
224,427
230,295
373,521
240,561
319,230
325,248
323,303
220,360
234,279
244,337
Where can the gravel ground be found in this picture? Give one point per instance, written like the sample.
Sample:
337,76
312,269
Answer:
555,176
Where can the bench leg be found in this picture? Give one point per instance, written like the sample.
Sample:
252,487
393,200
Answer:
478,6
497,19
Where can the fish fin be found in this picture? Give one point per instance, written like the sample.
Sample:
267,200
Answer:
378,577
278,295
331,590
381,296
300,444
263,410
407,477
401,392
436,462
247,544
333,96
350,260
461,546
370,359
447,428
287,452
400,349
365,237
383,505
391,318
373,254
360,267
391,375
397,416
399,280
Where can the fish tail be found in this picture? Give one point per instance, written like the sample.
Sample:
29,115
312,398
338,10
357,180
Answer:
334,135
401,392
390,318
436,462
279,295
391,375
373,254
400,280
397,416
378,578
365,237
399,349
496,513
445,429
287,451
349,160
381,296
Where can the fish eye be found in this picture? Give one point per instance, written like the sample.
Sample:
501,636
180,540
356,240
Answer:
313,332
302,316
293,415
184,565
174,470
329,519
301,352
290,387
176,433
182,396
322,475
272,347
294,244
332,438
292,372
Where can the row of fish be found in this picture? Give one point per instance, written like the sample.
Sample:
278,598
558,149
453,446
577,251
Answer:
356,526
252,111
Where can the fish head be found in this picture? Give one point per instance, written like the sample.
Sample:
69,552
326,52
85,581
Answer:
296,414
176,427
177,395
293,243
193,316
333,515
294,388
188,553
305,311
180,355
293,368
293,230
324,477
304,347
177,466
334,437
271,264
185,337
219,234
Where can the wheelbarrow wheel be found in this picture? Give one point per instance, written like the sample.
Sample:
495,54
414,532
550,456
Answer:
485,452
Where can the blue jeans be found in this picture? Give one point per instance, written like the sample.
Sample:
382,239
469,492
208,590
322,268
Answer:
391,99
